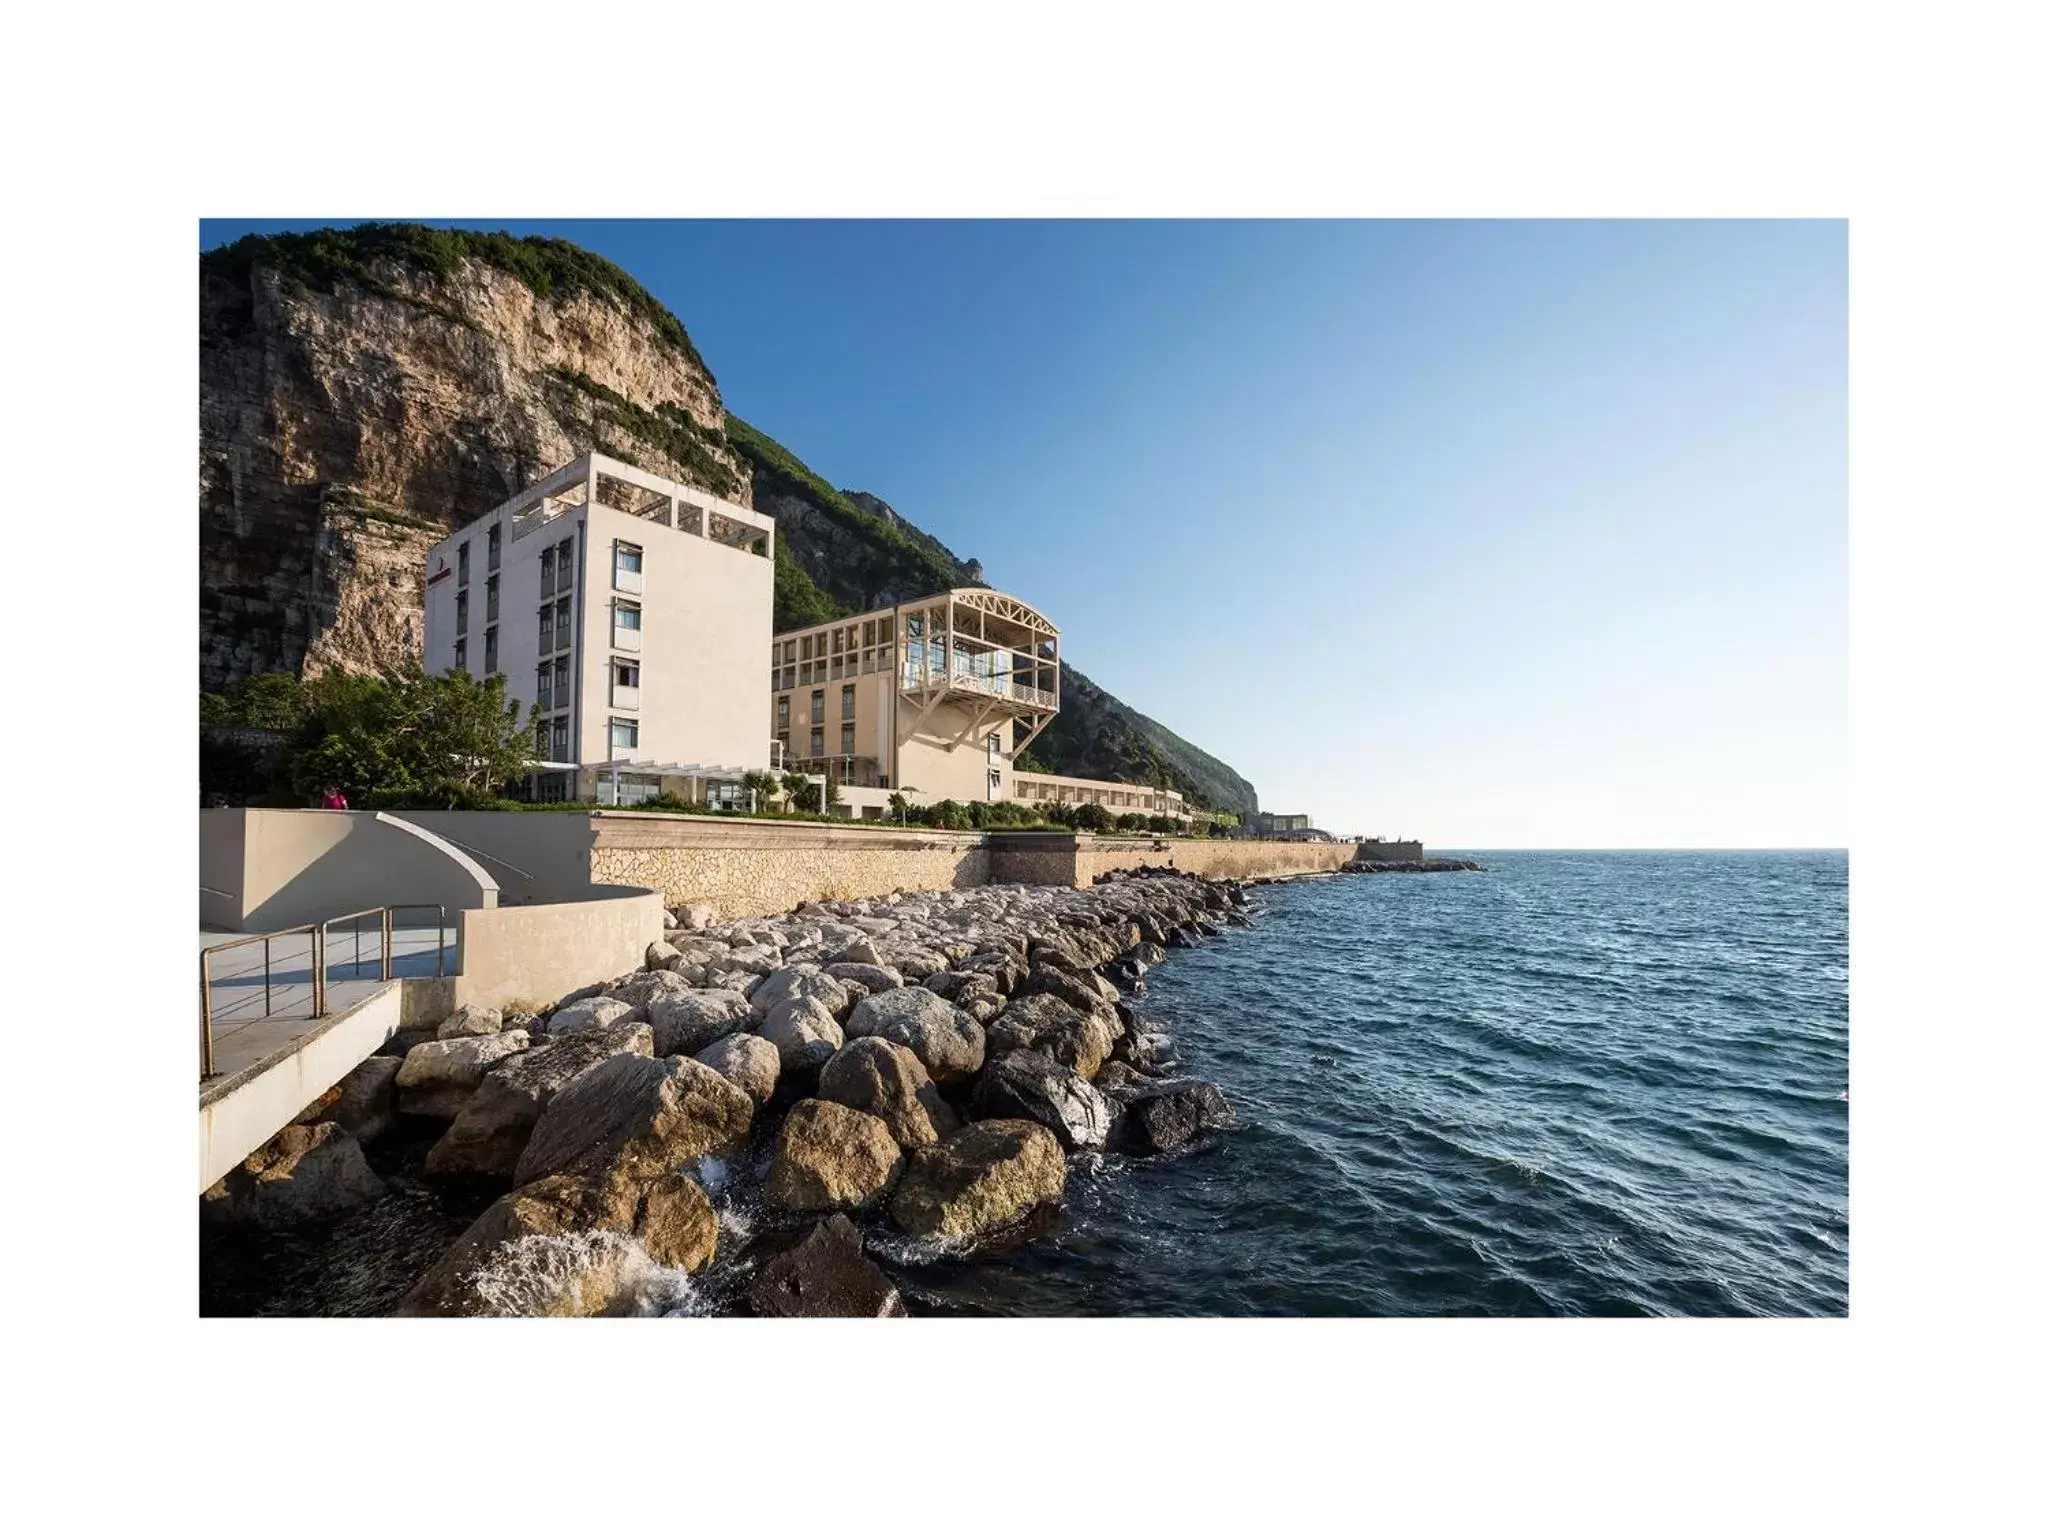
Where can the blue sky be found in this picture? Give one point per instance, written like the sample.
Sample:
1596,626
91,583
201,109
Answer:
1495,534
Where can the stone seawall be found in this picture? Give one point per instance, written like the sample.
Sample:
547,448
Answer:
758,868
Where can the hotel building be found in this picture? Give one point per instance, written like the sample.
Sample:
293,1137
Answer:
620,603
932,697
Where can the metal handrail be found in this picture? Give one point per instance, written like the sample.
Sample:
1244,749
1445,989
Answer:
317,934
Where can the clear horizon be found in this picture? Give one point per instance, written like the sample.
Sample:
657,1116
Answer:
1508,536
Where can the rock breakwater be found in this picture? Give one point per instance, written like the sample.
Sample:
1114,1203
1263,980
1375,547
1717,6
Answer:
766,1100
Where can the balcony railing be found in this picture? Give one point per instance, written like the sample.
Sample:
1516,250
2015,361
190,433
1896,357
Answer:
860,772
1001,686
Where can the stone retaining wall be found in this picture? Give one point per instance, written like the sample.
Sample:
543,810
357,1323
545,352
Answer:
755,868
1214,858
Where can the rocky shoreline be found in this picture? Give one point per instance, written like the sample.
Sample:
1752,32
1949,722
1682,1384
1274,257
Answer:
780,1093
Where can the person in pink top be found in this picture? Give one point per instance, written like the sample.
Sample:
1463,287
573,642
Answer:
333,800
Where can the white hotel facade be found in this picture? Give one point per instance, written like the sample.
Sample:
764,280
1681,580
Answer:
630,609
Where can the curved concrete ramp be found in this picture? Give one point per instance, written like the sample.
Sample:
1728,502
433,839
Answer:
262,870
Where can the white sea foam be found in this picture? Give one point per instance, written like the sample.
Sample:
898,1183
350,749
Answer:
579,1273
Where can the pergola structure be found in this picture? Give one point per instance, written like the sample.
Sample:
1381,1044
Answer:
982,648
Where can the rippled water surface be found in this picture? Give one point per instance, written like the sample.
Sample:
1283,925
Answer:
1582,1083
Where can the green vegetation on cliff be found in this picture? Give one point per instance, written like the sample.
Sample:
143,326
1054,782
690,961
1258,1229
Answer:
324,259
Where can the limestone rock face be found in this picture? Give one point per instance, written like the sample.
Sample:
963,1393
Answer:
886,1080
635,1118
305,1173
346,425
470,1019
825,1275
831,1158
978,1180
494,1125
804,1035
1055,1028
437,1077
364,1103
747,1060
949,1042
686,1023
1027,1086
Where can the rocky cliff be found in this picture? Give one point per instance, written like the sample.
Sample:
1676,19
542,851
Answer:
363,391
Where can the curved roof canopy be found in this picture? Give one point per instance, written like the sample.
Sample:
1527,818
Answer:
1002,606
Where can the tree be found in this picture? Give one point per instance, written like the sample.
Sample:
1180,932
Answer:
1131,821
1162,824
1027,762
763,786
950,814
1092,818
899,807
407,738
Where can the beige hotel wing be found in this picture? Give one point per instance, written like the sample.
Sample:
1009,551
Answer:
933,697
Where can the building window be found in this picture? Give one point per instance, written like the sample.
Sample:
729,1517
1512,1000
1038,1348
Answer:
626,625
846,702
461,612
625,735
782,713
846,739
491,600
540,738
547,625
544,687
547,570
462,564
490,651
782,741
492,542
562,624
626,684
562,700
462,655
626,567
561,739
817,705
817,741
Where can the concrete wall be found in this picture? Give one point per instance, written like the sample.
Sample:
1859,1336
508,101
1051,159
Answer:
1380,852
238,1114
748,868
533,855
303,866
1215,858
529,956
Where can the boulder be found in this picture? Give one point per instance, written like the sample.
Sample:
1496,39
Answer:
636,1118
659,954
558,1247
1055,1028
1025,1085
979,1180
498,1119
747,1060
795,981
687,1022
804,1035
1077,990
589,1013
696,917
364,1103
437,1077
859,952
643,988
1117,1080
831,1158
947,1040
875,978
400,1044
825,1275
1161,1117
1144,1047
470,1019
881,1078
305,1173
